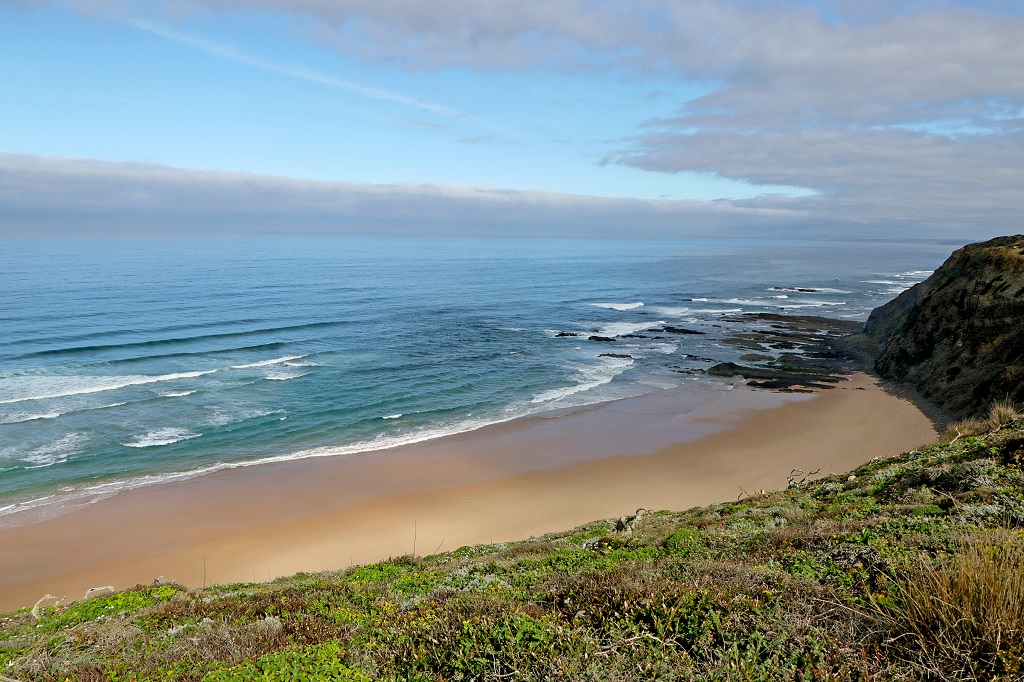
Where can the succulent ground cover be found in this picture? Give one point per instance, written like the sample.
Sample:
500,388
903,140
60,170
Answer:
908,568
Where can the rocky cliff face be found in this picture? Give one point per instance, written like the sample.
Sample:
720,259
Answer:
958,337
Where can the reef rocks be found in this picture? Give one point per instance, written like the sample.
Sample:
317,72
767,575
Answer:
958,337
816,354
776,378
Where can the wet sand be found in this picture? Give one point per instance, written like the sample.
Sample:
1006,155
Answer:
510,481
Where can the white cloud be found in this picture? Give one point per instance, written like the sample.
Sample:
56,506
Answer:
875,175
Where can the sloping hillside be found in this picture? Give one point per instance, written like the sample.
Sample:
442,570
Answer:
908,568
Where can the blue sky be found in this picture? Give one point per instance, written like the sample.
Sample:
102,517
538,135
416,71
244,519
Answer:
236,94
852,117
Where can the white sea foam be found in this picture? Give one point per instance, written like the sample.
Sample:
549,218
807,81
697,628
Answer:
729,301
220,418
796,306
307,363
799,303
620,328
620,306
771,301
392,416
178,394
264,363
669,310
285,376
161,437
17,417
891,286
590,377
22,388
51,453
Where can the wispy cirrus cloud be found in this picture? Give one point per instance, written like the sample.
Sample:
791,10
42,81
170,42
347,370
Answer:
234,54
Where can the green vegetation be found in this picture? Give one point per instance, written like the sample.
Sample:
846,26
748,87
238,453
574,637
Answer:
910,568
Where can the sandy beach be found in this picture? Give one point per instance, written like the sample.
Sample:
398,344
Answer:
510,481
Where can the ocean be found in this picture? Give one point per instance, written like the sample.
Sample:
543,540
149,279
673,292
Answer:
131,361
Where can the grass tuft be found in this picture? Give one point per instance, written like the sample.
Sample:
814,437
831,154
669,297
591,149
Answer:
1002,413
964,619
966,427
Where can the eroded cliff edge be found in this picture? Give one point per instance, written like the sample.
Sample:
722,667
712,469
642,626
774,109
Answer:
958,337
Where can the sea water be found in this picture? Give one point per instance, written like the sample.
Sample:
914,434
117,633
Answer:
130,361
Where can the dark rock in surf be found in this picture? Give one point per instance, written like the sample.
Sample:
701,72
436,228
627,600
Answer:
757,357
678,330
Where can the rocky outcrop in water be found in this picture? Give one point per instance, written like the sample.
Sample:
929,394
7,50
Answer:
958,337
808,353
675,330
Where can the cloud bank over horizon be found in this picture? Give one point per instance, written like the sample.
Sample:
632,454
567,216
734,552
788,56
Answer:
831,118
72,195
85,194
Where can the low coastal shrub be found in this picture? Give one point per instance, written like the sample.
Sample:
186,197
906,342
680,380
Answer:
686,542
108,606
317,663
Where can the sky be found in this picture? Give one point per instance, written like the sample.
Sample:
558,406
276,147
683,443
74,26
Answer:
828,118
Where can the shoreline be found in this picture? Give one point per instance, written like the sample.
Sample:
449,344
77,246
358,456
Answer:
502,482
29,511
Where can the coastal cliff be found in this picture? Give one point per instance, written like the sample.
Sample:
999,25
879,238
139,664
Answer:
958,337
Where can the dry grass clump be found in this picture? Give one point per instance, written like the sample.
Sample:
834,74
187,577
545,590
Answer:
964,620
1000,414
966,427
